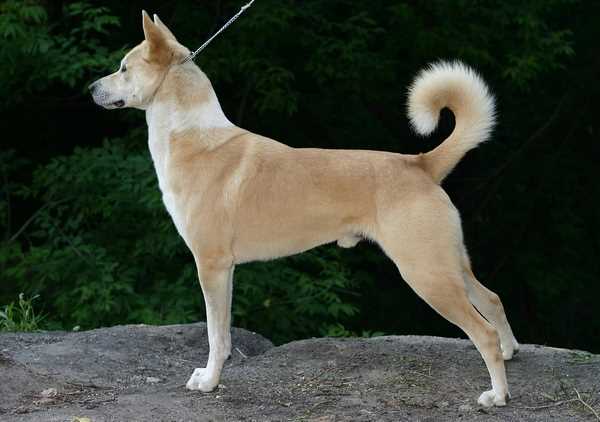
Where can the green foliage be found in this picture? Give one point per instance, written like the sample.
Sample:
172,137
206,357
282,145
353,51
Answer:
338,330
37,54
303,295
20,316
103,251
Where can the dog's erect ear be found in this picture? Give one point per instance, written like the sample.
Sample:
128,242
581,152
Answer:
163,27
153,34
159,49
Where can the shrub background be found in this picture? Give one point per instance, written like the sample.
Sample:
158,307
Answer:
81,220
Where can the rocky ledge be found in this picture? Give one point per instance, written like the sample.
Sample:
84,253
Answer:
137,373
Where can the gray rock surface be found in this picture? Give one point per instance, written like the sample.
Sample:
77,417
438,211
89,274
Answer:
138,373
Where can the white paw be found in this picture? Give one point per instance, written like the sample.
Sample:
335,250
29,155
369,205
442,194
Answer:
348,241
202,380
510,351
490,398
507,352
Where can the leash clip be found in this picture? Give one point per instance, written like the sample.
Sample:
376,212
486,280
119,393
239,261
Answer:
229,22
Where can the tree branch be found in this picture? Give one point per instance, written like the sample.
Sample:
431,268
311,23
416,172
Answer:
34,216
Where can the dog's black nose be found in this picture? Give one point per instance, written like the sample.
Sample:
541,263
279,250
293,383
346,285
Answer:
93,86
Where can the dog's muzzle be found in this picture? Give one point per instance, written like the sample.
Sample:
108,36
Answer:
93,86
101,99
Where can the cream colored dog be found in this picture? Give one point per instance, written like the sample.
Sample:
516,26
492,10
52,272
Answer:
235,196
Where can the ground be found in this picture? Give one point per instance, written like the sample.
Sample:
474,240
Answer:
138,372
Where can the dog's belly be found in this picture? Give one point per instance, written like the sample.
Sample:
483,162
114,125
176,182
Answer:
282,234
271,247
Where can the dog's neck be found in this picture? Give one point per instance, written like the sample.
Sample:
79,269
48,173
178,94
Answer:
185,100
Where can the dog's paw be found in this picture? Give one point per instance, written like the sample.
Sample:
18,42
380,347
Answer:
509,351
491,398
202,380
349,241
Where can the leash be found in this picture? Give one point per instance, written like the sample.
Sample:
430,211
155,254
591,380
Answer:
229,22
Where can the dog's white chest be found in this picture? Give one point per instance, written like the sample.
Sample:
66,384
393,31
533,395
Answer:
163,120
176,212
159,150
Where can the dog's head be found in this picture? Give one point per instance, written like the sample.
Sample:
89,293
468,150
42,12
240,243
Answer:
142,70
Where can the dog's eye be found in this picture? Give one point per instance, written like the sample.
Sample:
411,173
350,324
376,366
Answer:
123,68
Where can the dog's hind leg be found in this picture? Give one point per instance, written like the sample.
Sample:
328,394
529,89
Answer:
489,305
216,275
425,243
445,293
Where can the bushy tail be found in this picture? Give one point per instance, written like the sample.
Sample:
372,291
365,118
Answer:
458,87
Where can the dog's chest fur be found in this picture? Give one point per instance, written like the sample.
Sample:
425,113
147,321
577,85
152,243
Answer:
164,120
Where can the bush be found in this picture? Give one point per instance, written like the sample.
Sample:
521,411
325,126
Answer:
102,250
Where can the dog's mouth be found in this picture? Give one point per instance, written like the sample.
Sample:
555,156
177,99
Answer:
111,105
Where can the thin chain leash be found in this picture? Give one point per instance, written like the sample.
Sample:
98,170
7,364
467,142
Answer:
229,22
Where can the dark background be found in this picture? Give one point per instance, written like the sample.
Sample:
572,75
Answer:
83,226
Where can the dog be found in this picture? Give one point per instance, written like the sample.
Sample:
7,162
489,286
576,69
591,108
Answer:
235,196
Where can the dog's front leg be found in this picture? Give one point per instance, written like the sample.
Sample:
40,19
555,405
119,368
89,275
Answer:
216,277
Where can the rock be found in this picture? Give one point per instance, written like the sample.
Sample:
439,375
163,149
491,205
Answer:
49,392
43,401
138,372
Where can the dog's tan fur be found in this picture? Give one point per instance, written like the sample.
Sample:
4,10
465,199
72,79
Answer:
236,196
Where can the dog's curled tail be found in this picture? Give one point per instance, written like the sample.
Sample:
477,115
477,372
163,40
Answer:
457,87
